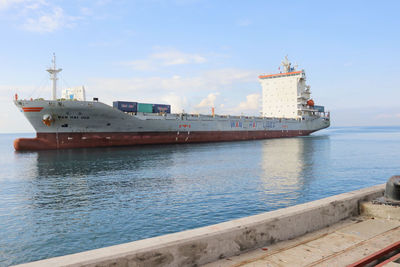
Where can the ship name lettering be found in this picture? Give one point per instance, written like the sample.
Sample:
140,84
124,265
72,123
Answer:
236,124
268,125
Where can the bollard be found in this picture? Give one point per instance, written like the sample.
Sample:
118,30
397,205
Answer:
392,191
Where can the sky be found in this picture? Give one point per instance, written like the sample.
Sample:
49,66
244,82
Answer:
197,54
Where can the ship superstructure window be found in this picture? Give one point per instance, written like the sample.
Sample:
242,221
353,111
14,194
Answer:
64,125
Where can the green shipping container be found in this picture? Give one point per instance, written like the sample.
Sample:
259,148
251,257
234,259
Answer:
147,108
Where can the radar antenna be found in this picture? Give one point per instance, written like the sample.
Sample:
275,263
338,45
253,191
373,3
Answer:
286,64
53,76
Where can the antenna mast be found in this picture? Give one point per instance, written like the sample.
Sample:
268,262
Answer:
53,76
286,65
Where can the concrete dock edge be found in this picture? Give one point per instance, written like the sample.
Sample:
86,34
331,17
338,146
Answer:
211,243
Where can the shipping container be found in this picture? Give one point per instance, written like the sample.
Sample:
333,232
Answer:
320,108
125,106
146,108
161,108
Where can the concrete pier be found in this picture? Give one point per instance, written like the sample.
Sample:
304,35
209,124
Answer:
217,244
342,244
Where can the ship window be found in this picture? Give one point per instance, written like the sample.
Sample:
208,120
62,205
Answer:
64,125
108,124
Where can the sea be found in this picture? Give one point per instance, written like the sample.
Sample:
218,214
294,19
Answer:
54,203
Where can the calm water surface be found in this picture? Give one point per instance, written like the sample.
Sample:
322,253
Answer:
54,203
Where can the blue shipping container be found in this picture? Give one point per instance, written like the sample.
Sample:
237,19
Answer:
125,106
319,108
161,108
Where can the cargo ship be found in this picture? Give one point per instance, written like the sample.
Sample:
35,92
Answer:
74,122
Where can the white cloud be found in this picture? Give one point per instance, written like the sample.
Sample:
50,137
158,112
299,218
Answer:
4,4
49,22
35,4
168,57
251,104
178,103
85,11
230,75
182,92
37,15
174,57
26,4
209,101
214,80
142,64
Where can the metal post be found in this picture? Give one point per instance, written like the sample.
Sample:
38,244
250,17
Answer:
53,76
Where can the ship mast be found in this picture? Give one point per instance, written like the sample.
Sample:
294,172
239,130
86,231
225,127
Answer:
53,76
286,65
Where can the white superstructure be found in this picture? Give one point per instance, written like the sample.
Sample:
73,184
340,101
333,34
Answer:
75,93
285,94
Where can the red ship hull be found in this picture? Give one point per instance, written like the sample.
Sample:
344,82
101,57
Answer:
46,141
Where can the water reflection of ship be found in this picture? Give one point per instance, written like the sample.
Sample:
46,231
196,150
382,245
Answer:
288,166
100,161
79,177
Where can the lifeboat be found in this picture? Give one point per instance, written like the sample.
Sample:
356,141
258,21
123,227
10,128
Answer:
310,103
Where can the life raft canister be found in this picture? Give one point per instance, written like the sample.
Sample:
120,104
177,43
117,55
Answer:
310,103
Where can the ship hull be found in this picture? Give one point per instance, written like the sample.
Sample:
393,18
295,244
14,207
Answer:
47,141
78,124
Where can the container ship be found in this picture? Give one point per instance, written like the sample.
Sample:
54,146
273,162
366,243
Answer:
73,122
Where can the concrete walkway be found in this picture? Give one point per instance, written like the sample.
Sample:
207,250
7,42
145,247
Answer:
339,245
